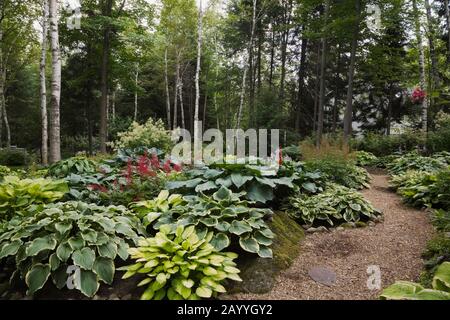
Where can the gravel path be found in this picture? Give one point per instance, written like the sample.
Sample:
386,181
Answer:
394,245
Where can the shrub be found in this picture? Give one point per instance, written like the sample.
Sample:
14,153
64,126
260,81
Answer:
57,236
431,190
16,194
404,290
152,134
413,161
75,165
293,152
183,265
341,171
383,145
4,171
407,179
224,212
337,204
364,158
439,139
14,157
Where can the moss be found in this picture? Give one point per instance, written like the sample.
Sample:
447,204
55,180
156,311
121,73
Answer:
259,274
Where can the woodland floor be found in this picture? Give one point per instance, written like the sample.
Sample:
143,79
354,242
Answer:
395,245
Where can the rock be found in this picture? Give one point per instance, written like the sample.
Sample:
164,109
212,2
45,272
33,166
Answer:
127,297
113,297
259,274
348,225
360,224
322,229
323,275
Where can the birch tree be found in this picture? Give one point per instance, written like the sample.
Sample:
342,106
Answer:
197,128
43,86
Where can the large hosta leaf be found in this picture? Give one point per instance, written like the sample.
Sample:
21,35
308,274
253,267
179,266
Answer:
239,227
210,185
220,241
249,244
260,193
104,268
64,251
10,249
37,277
239,180
88,283
222,194
441,279
41,244
84,258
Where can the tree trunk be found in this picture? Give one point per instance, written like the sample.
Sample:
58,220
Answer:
136,79
272,57
55,135
197,129
348,117
447,15
322,81
301,82
431,37
2,87
43,86
107,12
336,92
166,80
244,78
180,93
175,96
421,65
316,89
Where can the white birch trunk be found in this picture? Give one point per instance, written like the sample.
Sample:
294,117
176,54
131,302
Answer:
43,86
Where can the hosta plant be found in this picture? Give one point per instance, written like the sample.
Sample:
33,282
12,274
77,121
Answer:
407,179
184,265
364,158
404,290
413,161
4,171
17,194
43,245
337,204
258,181
231,219
75,165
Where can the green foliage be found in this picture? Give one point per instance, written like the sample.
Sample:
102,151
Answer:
441,220
259,182
51,238
184,265
337,204
383,145
342,172
152,134
364,158
224,212
413,161
293,152
16,194
75,165
4,171
404,290
407,179
14,157
428,190
439,139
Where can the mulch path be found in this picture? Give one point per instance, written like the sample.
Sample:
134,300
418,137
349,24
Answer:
395,245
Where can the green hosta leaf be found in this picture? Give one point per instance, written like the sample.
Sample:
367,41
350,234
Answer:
285,181
355,206
223,226
267,233
37,277
269,182
265,252
310,187
212,173
260,193
209,222
104,268
41,244
222,194
152,216
54,261
59,277
63,227
249,245
220,241
88,283
64,251
441,279
108,250
10,249
84,258
262,239
239,180
89,236
239,227
224,182
76,243
122,249
204,292
210,185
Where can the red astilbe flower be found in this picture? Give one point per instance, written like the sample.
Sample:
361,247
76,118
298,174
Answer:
418,95
129,173
280,156
167,168
177,167
155,161
98,187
